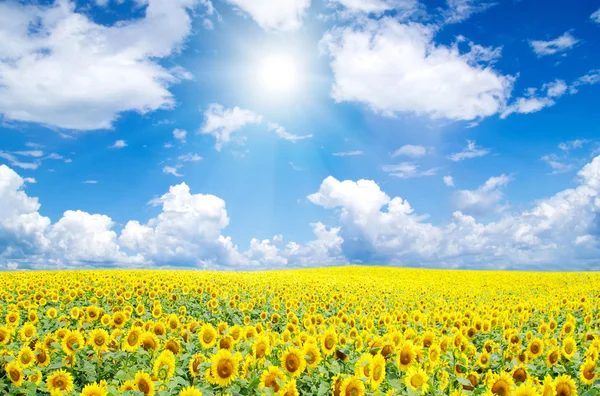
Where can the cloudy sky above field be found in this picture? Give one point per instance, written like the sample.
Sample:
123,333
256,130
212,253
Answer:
251,134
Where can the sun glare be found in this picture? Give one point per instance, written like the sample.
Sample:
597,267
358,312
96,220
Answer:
278,74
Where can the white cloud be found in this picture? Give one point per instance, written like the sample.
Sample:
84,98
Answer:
43,70
295,167
34,145
407,170
171,170
281,15
14,161
348,153
168,145
190,157
449,181
222,123
555,89
119,144
180,135
186,232
559,44
557,166
461,10
591,78
377,229
471,151
30,153
484,199
572,144
90,182
398,68
403,7
283,134
596,16
409,150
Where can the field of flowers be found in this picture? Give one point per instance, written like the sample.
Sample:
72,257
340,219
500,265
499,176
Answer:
339,331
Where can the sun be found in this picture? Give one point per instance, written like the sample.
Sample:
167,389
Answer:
278,74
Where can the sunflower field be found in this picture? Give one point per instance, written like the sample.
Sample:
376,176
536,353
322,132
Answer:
336,331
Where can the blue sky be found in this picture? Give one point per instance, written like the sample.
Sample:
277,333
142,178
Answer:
246,134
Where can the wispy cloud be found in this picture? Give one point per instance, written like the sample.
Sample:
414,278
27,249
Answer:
190,157
408,170
294,167
90,182
348,153
171,170
471,151
550,47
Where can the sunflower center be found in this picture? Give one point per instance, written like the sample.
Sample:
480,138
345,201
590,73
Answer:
15,375
535,348
563,390
588,372
329,342
59,383
207,337
224,368
553,357
143,387
405,357
291,363
520,375
416,380
271,382
500,388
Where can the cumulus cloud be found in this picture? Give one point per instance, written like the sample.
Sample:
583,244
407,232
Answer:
485,199
399,68
376,228
409,150
281,15
596,16
43,69
189,157
448,181
222,123
471,151
551,47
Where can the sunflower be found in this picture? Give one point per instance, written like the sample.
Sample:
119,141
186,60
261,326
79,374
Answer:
14,372
127,386
377,371
149,341
569,347
352,386
164,365
173,345
548,388
363,366
501,385
535,348
26,357
207,335
131,341
552,357
35,377
60,381
144,383
526,389
417,378
260,347
190,391
195,363
4,335
483,360
586,372
565,386
289,389
272,377
292,361
312,355
98,339
406,355
72,342
27,332
93,390
329,341
224,368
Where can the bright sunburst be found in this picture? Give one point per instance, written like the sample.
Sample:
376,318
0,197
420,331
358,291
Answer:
279,74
